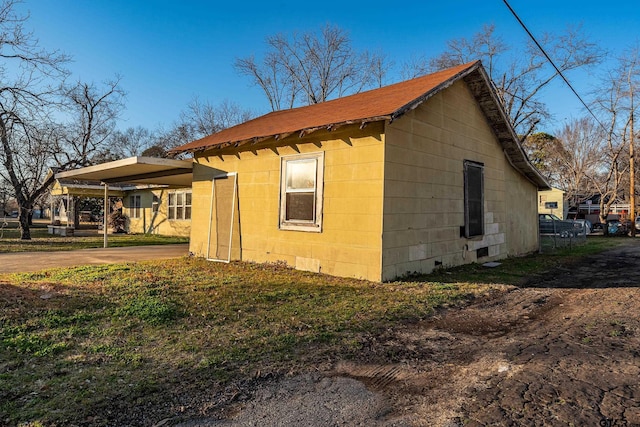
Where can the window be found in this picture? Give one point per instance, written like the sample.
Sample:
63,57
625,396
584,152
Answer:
134,207
473,199
179,205
301,192
155,204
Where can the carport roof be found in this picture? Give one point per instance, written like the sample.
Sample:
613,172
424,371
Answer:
136,171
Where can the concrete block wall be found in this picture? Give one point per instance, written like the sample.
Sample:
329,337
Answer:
425,152
155,223
522,215
350,242
393,195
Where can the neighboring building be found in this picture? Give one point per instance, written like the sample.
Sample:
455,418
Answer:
149,210
590,209
552,201
377,185
159,211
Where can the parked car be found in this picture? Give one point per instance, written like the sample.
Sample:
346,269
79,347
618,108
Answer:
638,223
583,226
551,224
615,227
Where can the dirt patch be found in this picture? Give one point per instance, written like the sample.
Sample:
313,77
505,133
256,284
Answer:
563,349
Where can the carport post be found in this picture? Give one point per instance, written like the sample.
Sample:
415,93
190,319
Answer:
52,209
106,213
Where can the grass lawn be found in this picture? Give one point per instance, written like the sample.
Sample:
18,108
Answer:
42,241
106,345
513,271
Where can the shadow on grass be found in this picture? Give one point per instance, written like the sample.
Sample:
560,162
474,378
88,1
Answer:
134,344
139,344
537,269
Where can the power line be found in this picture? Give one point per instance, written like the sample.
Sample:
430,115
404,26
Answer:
553,64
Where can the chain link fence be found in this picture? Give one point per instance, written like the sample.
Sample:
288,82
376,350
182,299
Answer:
562,234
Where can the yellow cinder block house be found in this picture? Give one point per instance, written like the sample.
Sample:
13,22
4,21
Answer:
159,211
377,185
149,210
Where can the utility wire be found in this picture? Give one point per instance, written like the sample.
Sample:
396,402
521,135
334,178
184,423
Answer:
553,64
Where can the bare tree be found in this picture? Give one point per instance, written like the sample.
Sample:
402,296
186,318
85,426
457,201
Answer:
203,118
25,156
5,195
379,66
570,159
30,79
130,142
631,64
32,97
198,120
614,102
93,112
415,66
312,67
32,144
579,159
520,77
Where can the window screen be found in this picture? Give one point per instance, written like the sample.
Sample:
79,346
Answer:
134,206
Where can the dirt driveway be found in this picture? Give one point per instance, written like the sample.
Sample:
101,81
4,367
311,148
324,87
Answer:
561,350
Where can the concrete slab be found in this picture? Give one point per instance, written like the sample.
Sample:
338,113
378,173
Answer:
22,262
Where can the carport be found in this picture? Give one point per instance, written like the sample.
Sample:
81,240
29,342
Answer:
151,172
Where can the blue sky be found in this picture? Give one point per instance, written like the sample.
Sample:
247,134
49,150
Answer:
169,52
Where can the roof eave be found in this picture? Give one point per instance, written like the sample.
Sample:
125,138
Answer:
281,136
482,88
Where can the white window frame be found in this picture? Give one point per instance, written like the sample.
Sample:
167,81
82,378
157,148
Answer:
314,225
135,206
155,203
172,209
